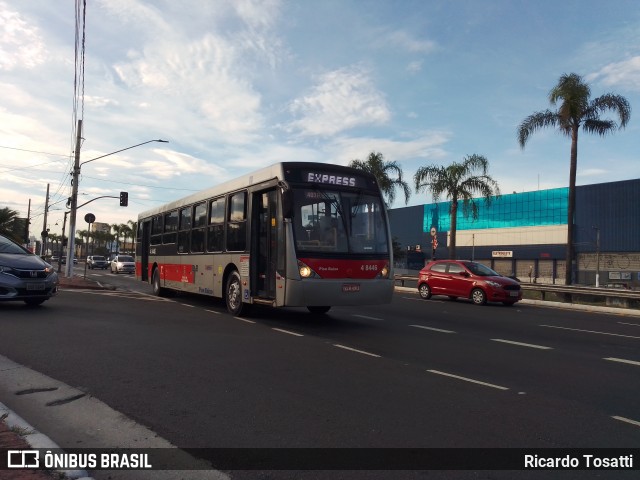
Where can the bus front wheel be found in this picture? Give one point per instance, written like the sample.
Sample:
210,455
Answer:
158,291
233,297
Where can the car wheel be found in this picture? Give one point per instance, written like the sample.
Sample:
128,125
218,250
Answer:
424,291
478,296
318,310
233,296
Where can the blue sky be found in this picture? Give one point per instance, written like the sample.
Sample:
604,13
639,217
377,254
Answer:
235,85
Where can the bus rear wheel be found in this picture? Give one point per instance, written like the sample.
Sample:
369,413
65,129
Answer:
233,296
318,310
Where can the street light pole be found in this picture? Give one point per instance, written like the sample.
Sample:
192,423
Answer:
74,193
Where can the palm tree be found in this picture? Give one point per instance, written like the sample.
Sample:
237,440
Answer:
9,224
575,110
376,165
458,182
117,229
84,240
133,225
54,238
125,231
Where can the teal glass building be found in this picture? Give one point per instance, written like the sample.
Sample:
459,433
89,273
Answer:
528,209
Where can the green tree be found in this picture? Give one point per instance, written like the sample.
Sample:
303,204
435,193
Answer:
383,171
126,232
458,182
11,225
133,225
116,228
575,110
84,241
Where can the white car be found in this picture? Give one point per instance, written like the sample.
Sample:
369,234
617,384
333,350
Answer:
123,264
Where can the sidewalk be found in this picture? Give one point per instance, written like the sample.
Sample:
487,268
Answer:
79,281
17,434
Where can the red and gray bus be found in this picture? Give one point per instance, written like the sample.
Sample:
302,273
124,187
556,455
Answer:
293,234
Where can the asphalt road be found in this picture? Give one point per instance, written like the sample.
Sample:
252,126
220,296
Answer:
415,374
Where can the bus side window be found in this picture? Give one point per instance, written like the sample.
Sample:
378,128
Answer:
156,230
198,232
215,233
170,227
184,233
237,222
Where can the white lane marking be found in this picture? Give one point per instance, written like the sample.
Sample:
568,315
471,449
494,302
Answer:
354,350
437,372
634,324
212,311
186,305
531,345
369,318
627,420
244,320
432,329
288,332
590,331
622,360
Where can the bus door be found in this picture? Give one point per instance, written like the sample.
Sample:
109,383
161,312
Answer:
265,243
144,251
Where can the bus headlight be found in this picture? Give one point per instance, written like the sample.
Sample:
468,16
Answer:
384,273
306,271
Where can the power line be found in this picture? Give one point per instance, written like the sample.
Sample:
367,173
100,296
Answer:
35,151
141,185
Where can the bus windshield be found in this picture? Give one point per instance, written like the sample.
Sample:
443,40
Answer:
335,221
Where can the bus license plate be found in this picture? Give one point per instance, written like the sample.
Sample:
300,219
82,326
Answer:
350,287
35,286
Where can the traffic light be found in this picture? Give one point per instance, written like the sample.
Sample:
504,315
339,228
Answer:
124,199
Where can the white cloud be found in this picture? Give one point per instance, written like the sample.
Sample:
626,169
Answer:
624,74
592,172
425,147
402,39
342,99
414,67
20,43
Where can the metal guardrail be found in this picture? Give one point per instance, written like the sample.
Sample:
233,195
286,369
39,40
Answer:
609,293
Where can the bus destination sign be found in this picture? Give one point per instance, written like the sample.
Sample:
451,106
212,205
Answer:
331,179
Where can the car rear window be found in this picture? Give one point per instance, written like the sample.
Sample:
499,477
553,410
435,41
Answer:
439,267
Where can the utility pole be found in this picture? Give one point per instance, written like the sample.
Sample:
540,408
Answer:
26,227
74,203
44,227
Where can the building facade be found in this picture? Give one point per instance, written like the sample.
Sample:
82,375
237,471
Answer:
525,234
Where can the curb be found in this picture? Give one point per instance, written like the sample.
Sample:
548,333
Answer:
564,306
37,440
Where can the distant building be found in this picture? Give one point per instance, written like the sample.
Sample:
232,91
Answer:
526,232
101,227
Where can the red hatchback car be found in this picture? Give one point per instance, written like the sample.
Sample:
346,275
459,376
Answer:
466,279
